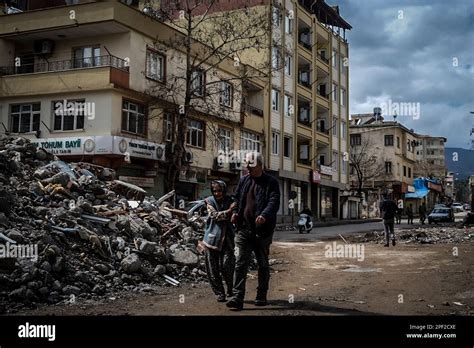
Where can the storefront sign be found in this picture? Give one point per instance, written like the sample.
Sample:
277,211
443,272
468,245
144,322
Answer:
316,177
101,145
139,181
326,170
434,187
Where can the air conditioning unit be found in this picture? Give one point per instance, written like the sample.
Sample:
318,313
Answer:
188,157
44,47
161,152
235,166
217,164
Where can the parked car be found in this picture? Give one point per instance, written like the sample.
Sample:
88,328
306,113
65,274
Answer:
441,215
457,207
467,207
196,207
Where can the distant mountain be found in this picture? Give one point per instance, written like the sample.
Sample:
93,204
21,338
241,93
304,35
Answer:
464,164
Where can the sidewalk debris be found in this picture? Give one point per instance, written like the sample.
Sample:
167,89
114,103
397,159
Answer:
94,235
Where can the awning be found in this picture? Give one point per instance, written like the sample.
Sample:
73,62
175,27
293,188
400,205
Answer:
417,194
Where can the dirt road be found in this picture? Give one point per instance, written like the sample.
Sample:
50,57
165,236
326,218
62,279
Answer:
408,279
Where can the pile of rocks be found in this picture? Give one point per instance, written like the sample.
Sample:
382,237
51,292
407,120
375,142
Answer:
420,235
83,233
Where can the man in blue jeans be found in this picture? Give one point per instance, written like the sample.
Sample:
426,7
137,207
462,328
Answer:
258,199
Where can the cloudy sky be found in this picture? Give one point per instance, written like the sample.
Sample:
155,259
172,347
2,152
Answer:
414,51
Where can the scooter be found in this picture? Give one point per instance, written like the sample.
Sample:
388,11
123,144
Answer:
305,223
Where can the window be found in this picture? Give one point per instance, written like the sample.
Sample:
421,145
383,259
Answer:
343,129
409,172
275,143
250,141
288,106
343,166
343,97
288,24
342,64
288,62
388,140
198,78
322,160
226,95
85,57
25,118
398,142
195,134
334,92
335,160
276,16
334,58
355,139
133,117
408,146
399,169
287,147
334,126
275,100
404,171
68,115
388,167
225,139
275,58
168,120
155,65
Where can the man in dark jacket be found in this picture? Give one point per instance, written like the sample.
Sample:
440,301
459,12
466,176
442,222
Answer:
387,210
258,199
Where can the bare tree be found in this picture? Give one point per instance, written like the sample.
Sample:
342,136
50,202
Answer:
365,163
208,36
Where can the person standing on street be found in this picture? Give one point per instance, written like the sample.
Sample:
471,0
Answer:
410,214
388,209
219,240
258,200
422,212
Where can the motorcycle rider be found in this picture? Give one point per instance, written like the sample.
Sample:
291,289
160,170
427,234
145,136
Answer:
308,212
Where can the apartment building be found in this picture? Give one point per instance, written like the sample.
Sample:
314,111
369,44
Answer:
394,148
430,156
80,80
306,96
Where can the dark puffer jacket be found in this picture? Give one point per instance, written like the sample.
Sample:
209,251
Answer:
267,201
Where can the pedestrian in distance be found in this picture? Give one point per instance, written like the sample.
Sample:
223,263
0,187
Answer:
422,212
410,214
219,240
398,215
258,199
388,209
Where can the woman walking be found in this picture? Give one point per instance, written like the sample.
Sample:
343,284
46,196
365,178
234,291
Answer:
219,240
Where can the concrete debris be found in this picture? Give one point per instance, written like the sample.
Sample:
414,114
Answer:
93,235
419,235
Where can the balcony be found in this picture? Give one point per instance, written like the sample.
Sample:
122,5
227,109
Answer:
304,151
322,91
63,77
253,110
64,65
304,112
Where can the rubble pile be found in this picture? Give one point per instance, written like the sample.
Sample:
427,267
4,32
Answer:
93,235
420,235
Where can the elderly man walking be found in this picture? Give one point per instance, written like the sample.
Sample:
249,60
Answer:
258,199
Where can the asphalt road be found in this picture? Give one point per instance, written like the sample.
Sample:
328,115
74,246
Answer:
321,233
